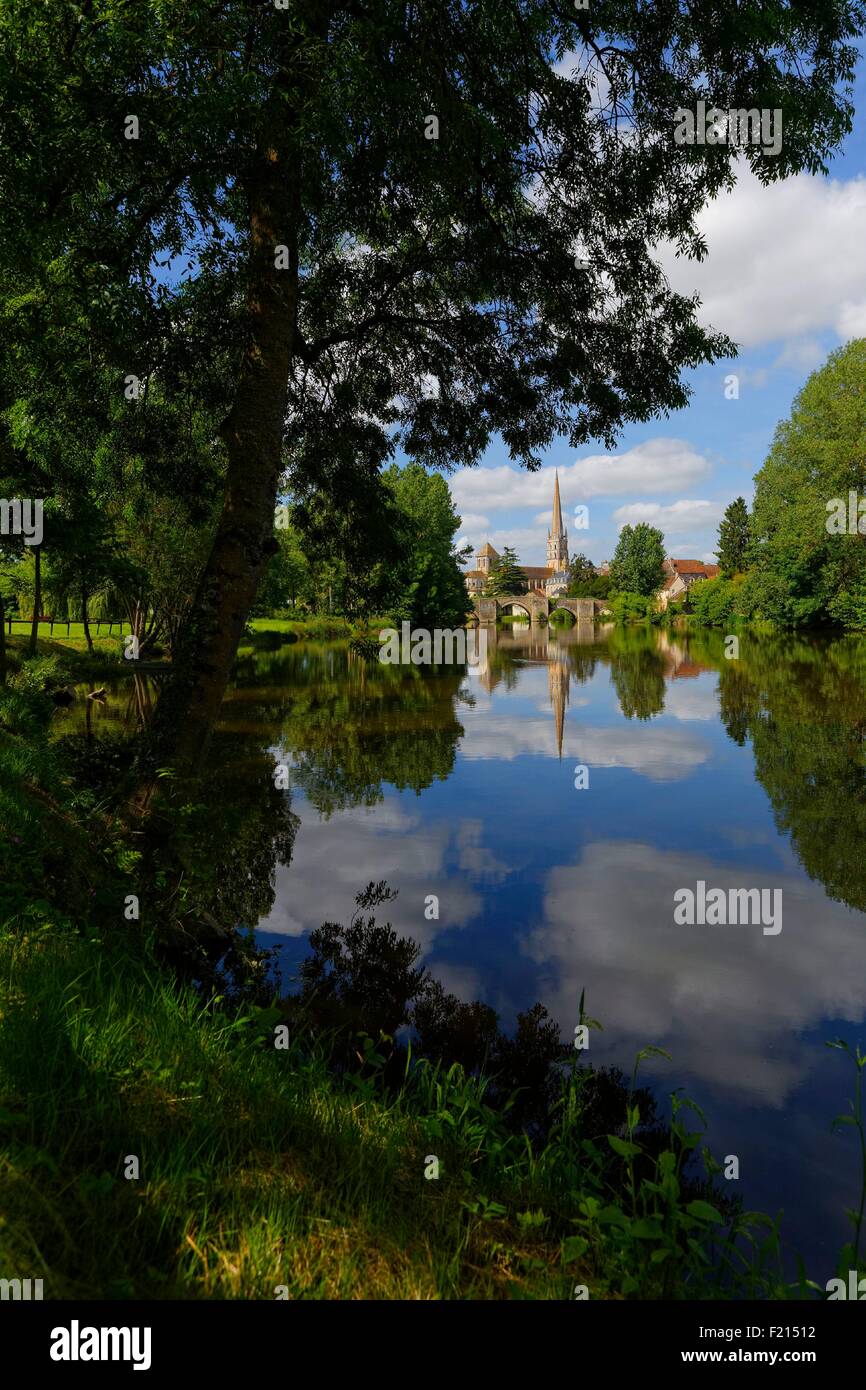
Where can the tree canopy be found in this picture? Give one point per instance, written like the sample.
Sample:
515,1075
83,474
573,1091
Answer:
637,563
805,568
353,225
505,575
734,538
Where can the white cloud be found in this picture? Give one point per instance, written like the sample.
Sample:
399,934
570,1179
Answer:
475,858
679,517
658,465
474,521
659,754
331,863
784,260
801,355
700,992
689,700
756,378
851,322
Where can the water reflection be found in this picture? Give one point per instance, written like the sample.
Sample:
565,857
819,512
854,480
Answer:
460,784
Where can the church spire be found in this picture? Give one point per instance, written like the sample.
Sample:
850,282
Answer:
557,540
556,529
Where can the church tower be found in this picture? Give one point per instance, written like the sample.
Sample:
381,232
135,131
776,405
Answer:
557,536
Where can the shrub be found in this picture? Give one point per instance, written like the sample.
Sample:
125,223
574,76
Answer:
628,607
714,602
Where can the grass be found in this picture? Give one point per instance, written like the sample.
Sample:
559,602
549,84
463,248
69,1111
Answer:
316,626
71,652
75,634
262,1169
257,1169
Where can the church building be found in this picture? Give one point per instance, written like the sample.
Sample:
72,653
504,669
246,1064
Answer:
550,579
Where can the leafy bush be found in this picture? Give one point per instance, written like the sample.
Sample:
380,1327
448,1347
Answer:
628,607
849,607
714,602
41,673
773,598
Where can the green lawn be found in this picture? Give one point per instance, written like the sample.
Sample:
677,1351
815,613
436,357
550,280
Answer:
75,631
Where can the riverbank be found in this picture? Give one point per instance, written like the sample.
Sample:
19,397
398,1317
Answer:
108,648
317,627
159,1146
304,1167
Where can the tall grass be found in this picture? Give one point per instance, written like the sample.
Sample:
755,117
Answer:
262,1169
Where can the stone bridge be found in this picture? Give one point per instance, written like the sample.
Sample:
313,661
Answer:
535,605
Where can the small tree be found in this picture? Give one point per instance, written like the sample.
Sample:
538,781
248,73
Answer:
584,582
506,576
581,573
637,564
734,536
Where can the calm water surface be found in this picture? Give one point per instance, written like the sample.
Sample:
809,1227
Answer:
746,773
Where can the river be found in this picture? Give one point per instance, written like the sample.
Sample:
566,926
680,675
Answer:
539,812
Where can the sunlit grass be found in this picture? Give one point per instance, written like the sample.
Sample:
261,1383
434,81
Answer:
264,1171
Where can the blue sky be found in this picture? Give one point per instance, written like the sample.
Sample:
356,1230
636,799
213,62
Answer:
785,278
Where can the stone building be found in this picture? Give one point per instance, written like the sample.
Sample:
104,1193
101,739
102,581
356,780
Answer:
550,579
680,575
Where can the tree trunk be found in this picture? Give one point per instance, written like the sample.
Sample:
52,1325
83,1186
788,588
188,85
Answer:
253,434
2,641
37,598
84,619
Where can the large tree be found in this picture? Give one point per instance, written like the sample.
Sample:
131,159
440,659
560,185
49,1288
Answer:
429,583
809,565
733,547
637,563
429,222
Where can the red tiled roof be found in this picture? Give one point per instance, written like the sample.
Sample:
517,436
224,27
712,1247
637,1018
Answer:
695,567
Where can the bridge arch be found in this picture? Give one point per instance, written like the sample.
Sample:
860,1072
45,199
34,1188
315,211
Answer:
509,605
563,608
536,604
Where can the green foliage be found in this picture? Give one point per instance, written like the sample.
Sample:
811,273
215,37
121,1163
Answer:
584,582
716,602
288,577
250,1155
427,580
803,572
146,257
628,607
638,673
505,575
637,563
734,539
848,606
